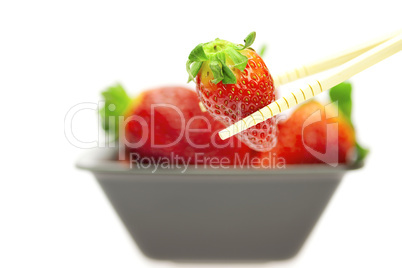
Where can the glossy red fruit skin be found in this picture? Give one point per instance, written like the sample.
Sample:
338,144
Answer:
229,103
290,139
168,126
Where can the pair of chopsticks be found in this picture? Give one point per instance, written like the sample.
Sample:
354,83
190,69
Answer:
349,63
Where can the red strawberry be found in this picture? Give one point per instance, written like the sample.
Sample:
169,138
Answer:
168,120
315,133
232,83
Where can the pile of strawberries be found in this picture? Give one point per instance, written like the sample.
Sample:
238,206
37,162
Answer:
232,82
167,122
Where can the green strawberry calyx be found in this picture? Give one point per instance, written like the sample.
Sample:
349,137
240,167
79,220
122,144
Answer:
222,57
342,94
116,105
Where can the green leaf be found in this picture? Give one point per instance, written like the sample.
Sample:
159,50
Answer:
263,50
188,69
249,40
198,54
361,152
193,70
216,69
228,75
221,57
342,94
116,104
239,60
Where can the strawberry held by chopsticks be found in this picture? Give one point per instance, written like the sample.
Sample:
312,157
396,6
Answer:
233,82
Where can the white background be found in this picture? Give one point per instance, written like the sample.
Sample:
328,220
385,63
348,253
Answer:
56,54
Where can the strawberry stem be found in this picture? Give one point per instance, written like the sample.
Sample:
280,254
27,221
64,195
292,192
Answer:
221,56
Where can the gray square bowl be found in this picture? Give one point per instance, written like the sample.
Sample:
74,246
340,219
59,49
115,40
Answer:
216,214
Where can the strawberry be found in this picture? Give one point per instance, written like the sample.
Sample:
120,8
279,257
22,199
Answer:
166,122
315,133
329,138
233,82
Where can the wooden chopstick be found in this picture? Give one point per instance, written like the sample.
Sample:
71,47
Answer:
338,75
330,61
